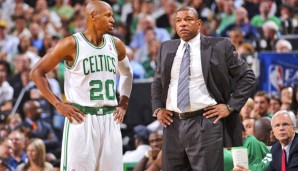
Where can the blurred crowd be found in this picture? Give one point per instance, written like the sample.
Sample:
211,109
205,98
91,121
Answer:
31,28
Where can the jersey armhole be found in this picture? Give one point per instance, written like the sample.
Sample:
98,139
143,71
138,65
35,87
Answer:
113,41
77,54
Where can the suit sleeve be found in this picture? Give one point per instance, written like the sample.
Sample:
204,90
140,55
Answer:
156,86
293,165
242,76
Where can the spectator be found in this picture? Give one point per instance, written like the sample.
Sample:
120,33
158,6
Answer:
137,68
9,43
284,152
275,104
139,37
19,144
248,126
20,29
155,142
39,128
13,120
294,104
269,38
227,17
236,37
141,144
36,153
164,20
6,150
247,109
264,16
64,11
242,22
262,105
283,46
289,20
286,94
6,91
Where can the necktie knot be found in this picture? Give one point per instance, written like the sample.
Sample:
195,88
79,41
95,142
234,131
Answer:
187,47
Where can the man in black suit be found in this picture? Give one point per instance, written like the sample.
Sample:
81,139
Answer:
198,123
284,152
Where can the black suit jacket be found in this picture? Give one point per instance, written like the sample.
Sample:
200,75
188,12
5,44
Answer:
276,152
228,78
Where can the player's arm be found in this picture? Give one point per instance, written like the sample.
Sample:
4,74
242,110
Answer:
65,49
125,82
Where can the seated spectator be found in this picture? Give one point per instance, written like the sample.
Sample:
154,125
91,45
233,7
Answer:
286,94
242,23
155,142
6,91
294,105
285,151
36,153
283,45
261,105
269,37
246,109
5,152
39,128
227,17
139,37
9,43
19,144
237,38
13,120
249,126
141,144
289,20
260,19
275,104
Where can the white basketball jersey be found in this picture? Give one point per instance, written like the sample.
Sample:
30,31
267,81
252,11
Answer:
91,81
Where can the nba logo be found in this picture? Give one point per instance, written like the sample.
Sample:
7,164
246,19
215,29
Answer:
275,79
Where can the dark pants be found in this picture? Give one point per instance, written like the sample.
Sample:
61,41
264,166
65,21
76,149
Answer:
193,144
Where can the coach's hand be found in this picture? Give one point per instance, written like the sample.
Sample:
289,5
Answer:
164,116
70,112
219,111
120,110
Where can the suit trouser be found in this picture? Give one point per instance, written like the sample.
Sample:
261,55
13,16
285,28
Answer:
194,144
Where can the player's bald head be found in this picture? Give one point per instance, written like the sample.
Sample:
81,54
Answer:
96,6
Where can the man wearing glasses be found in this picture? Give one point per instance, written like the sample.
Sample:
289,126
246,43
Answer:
285,151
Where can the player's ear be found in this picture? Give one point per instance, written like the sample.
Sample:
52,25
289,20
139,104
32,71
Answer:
92,15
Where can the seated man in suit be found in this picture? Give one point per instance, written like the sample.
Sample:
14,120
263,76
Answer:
284,152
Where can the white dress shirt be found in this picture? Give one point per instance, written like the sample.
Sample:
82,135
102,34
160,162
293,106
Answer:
198,93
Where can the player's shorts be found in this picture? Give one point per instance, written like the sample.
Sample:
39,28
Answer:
95,144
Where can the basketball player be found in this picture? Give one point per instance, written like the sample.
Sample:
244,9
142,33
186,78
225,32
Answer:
92,137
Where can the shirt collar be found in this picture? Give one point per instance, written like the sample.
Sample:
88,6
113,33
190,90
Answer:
194,41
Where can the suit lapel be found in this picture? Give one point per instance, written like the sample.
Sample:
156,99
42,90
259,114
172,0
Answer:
170,58
205,56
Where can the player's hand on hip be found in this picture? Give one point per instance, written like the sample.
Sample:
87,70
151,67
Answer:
219,111
119,114
71,112
164,116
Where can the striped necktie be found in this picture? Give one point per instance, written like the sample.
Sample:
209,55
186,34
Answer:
183,101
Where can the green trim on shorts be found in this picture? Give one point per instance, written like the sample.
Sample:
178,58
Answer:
99,111
66,144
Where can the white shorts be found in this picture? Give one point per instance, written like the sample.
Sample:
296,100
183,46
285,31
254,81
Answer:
94,145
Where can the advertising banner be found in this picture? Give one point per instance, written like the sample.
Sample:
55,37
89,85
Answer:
277,70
